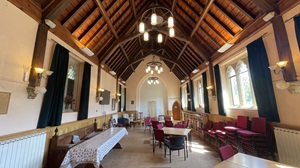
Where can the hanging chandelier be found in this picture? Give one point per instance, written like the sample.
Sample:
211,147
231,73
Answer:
153,80
153,66
156,18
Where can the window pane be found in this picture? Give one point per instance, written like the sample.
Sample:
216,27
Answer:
201,93
246,89
234,91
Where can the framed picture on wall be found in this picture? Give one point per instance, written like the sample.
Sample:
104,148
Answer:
113,104
4,102
132,102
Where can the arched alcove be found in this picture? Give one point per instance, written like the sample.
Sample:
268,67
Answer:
152,93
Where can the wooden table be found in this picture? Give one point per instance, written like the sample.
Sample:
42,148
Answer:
93,150
241,160
179,131
135,122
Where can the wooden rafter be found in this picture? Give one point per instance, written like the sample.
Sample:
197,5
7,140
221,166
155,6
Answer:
242,9
264,5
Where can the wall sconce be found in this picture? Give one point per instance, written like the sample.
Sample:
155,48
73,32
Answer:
36,89
98,95
119,94
281,64
209,88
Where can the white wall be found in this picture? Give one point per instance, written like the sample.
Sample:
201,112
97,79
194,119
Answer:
16,49
136,80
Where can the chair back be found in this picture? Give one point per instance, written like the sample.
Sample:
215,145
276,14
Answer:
178,125
231,123
168,123
161,118
176,141
226,152
159,135
242,122
215,126
154,124
209,125
147,121
221,125
259,125
168,118
153,119
159,126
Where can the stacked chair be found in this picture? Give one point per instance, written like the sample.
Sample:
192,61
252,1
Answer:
231,132
255,142
218,127
221,134
206,127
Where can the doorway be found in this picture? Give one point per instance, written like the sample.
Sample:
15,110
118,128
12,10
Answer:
152,108
176,111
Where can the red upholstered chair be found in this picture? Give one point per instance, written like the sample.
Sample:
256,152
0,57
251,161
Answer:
187,124
153,119
206,127
158,137
159,126
221,134
179,125
168,118
231,131
169,123
254,142
147,123
154,124
226,152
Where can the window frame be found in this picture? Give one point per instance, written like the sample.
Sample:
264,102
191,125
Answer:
200,97
235,64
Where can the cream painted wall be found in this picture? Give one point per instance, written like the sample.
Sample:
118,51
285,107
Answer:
16,49
135,81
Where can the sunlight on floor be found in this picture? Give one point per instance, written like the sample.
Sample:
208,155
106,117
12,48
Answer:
196,147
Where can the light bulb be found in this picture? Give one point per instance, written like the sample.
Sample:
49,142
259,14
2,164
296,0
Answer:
158,71
170,22
146,36
161,69
159,38
146,70
171,32
157,81
149,82
142,27
282,63
151,71
156,67
153,19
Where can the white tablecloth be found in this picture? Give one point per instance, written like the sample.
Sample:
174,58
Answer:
93,150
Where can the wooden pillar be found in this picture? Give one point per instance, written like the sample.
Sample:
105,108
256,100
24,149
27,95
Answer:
38,58
283,48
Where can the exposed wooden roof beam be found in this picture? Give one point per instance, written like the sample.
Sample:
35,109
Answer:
242,9
203,14
58,7
264,5
84,19
133,7
72,13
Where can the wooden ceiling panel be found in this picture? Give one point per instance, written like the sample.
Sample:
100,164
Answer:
110,29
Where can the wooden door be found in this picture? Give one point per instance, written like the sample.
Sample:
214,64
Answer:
176,111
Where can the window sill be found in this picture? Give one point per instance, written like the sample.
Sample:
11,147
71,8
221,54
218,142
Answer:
243,108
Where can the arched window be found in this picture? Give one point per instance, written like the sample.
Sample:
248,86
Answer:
245,85
200,93
231,78
239,85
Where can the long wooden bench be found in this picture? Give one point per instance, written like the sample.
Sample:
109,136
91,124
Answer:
60,144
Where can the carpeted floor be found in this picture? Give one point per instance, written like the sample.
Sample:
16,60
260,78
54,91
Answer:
137,152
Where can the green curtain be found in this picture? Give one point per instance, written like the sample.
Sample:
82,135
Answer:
262,81
192,95
85,92
188,95
124,109
120,98
52,106
297,29
181,98
219,90
205,92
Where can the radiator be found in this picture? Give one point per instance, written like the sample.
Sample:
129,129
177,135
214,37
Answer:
25,152
288,146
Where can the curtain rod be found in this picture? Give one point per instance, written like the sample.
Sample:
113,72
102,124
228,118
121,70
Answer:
69,51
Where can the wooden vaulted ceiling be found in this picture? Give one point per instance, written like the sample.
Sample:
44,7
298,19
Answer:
110,29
